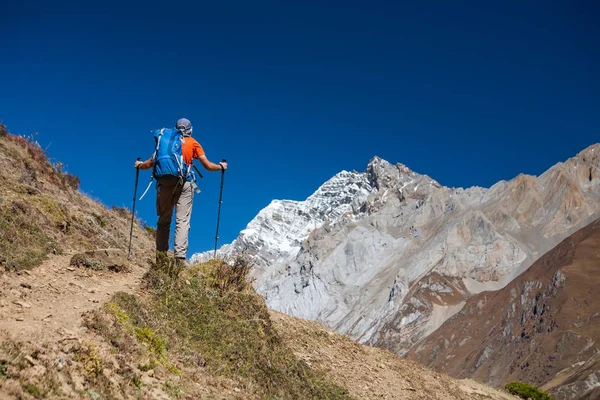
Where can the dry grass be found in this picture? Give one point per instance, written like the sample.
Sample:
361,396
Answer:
210,316
23,243
40,206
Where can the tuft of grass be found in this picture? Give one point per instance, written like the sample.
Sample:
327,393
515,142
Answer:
148,366
23,243
3,130
70,180
155,342
172,389
121,315
122,212
13,357
91,361
101,220
229,278
34,391
150,229
83,260
526,391
136,381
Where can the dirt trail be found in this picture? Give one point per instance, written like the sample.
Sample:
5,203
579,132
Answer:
47,302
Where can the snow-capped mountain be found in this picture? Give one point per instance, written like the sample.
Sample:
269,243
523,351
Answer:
387,255
278,231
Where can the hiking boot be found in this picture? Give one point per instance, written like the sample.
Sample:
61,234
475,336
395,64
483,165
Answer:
181,262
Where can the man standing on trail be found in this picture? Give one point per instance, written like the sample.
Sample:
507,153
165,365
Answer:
172,191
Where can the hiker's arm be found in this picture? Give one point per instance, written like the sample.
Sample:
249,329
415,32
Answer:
143,165
210,166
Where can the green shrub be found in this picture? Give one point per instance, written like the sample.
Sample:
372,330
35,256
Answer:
526,391
3,130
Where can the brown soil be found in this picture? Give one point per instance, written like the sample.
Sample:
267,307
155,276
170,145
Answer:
369,372
43,309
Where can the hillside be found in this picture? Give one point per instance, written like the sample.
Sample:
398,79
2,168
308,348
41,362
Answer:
42,211
386,255
543,327
81,321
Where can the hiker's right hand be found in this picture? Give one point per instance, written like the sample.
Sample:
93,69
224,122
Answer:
224,164
137,164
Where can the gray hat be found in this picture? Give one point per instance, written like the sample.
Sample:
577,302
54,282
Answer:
183,123
185,126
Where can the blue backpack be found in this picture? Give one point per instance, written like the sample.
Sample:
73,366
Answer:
168,156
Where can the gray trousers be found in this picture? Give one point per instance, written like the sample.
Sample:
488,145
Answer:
168,197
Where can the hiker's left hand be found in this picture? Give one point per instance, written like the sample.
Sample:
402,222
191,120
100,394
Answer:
137,164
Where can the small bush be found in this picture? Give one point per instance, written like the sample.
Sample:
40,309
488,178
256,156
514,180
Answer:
23,244
150,229
101,220
3,131
35,391
89,357
70,180
526,391
86,261
122,212
227,277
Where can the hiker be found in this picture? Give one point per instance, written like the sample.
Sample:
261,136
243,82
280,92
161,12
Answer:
176,191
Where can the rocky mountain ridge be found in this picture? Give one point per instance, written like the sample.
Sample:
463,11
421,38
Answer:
277,232
400,253
542,328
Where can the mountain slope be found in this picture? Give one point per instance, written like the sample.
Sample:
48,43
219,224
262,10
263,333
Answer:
277,232
404,258
72,329
42,212
543,327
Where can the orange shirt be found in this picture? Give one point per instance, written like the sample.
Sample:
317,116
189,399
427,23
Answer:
191,149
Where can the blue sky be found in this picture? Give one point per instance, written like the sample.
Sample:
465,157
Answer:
292,92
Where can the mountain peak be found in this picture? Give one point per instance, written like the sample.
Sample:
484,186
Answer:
591,155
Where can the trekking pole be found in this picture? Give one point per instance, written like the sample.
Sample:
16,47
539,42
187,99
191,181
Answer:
219,213
137,175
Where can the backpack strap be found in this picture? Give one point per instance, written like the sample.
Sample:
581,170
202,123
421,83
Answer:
154,163
148,188
156,153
